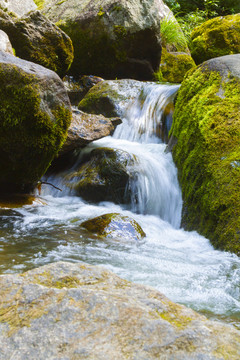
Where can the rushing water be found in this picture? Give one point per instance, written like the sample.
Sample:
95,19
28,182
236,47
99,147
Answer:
183,265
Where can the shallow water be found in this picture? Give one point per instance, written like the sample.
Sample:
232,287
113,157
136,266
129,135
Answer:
183,265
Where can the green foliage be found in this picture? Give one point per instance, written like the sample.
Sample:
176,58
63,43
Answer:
210,7
171,34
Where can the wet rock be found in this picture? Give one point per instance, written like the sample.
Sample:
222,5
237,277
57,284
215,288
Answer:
35,114
18,200
111,39
86,128
103,176
115,226
216,37
110,98
206,131
36,39
18,7
78,89
5,44
78,311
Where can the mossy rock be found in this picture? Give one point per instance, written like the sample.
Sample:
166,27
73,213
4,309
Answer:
34,116
103,176
109,98
174,66
36,39
216,37
111,39
115,225
206,127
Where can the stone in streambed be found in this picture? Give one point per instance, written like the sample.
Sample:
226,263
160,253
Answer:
79,311
115,225
35,113
5,44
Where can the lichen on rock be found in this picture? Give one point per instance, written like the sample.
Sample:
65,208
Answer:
207,129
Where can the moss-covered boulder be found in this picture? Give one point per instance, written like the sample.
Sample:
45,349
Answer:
216,37
206,127
174,66
111,38
110,98
36,39
18,7
115,226
34,116
103,176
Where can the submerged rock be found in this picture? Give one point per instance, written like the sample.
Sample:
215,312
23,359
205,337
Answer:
103,176
174,66
86,128
109,98
206,128
78,311
111,39
115,226
36,39
35,113
216,37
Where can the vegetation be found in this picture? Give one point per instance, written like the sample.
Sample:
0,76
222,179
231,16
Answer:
171,34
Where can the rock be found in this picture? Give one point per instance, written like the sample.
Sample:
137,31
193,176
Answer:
19,7
115,226
5,44
174,66
103,176
86,128
207,129
78,89
110,98
35,114
111,39
79,311
216,37
36,39
14,201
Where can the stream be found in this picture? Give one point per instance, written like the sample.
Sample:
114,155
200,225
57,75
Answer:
182,265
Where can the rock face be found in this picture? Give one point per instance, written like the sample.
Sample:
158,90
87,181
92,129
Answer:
207,129
5,44
86,128
110,98
216,37
111,39
103,176
36,39
19,7
35,114
78,311
174,66
115,226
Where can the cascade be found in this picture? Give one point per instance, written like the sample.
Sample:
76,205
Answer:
183,265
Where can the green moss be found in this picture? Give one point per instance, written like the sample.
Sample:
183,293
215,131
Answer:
174,66
207,127
101,12
40,4
29,139
216,37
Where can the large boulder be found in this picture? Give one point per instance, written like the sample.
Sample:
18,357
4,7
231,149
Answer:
36,39
115,226
111,38
34,116
18,7
103,176
5,44
78,311
206,128
216,37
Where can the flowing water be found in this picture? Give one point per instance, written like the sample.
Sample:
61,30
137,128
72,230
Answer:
183,265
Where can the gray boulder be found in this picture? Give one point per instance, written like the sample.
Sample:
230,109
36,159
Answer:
111,38
35,113
36,39
19,7
5,44
78,311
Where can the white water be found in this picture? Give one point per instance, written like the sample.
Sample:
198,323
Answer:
183,265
